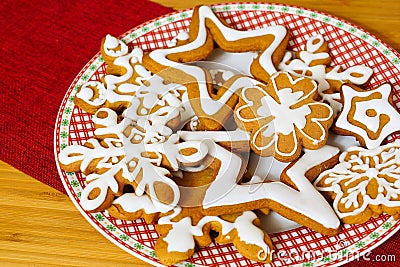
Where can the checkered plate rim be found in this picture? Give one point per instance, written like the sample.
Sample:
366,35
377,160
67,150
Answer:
73,126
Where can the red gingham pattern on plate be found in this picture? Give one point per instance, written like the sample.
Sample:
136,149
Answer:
81,126
346,50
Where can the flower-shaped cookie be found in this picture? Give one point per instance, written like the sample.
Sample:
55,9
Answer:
365,183
283,117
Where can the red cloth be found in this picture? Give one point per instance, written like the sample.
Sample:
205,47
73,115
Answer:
44,44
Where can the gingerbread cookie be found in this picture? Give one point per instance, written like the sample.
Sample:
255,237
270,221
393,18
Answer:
224,192
101,162
139,153
241,229
370,116
205,28
197,185
314,62
365,183
282,117
217,191
130,206
191,226
124,75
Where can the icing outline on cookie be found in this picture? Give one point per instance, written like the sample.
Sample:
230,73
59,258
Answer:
283,113
351,182
195,78
306,201
372,113
322,73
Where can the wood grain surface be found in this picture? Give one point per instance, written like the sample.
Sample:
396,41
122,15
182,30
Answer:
381,18
40,226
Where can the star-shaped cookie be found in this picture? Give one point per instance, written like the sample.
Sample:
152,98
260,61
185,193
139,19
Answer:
205,29
370,115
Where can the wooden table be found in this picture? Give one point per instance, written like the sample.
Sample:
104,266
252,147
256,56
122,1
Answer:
40,226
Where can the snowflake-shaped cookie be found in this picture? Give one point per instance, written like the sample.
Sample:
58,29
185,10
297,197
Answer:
124,75
140,153
365,183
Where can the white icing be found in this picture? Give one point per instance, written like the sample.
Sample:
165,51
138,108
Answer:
130,202
182,36
77,153
381,106
225,192
309,57
109,155
103,182
88,90
132,164
237,135
111,44
381,164
208,105
249,233
301,67
124,61
351,74
284,120
311,47
185,231
108,125
142,72
194,122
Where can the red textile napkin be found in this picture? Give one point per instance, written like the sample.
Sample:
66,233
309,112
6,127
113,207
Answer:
44,44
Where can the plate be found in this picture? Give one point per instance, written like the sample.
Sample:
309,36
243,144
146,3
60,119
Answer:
298,246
